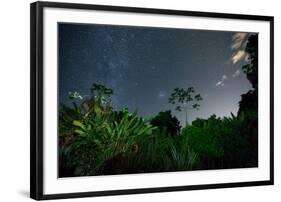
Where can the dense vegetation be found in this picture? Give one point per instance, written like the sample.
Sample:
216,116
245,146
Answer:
95,139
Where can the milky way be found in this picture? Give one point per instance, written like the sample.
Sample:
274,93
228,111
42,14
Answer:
143,65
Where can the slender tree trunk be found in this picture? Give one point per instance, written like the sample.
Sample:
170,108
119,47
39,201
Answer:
186,123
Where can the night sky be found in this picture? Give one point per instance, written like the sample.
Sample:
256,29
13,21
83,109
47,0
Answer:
143,65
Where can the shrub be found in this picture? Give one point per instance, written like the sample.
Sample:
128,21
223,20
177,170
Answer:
166,122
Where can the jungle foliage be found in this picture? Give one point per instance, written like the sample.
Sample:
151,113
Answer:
95,139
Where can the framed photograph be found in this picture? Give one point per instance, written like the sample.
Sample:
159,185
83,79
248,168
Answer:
134,100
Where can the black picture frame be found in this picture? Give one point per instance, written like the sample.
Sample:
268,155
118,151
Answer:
36,99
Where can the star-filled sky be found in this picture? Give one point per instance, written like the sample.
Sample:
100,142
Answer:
144,64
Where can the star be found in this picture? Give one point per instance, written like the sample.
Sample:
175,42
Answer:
146,64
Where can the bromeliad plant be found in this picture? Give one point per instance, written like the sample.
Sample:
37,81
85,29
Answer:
97,144
98,133
160,152
181,155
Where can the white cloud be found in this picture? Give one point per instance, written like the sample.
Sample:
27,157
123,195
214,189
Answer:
238,56
221,82
236,73
239,42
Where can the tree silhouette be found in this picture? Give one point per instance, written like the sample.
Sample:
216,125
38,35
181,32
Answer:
248,105
249,100
101,93
251,69
185,99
